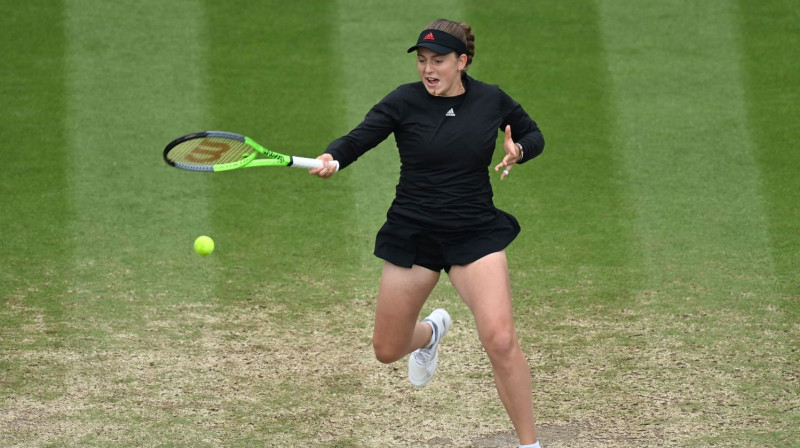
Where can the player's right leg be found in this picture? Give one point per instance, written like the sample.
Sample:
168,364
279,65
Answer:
403,292
423,361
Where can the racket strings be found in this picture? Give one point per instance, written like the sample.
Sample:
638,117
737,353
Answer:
210,151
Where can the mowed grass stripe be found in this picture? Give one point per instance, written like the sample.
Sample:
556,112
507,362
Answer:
132,88
686,147
770,37
575,265
34,204
282,235
123,86
371,45
577,242
34,210
708,298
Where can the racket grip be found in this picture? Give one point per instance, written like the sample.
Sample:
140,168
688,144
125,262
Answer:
304,162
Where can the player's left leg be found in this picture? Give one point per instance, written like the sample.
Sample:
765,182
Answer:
485,287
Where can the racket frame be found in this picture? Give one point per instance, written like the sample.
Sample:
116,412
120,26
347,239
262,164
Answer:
250,160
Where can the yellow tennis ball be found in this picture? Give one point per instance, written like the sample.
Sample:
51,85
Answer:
203,245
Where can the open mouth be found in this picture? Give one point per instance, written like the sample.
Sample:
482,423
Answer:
432,82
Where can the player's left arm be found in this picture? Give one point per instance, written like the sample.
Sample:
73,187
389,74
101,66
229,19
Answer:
525,131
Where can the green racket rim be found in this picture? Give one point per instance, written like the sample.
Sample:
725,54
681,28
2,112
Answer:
246,160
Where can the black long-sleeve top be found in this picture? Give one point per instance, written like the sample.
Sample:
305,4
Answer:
446,146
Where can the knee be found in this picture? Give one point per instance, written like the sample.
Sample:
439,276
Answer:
386,353
501,344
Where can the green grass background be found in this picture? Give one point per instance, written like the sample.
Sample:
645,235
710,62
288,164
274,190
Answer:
655,282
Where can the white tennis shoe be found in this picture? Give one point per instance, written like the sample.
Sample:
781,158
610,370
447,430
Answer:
422,362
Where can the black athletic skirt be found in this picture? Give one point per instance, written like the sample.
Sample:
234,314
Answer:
405,244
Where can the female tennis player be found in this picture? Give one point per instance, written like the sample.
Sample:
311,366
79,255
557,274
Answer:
443,217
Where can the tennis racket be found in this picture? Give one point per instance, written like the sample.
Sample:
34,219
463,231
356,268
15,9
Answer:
224,151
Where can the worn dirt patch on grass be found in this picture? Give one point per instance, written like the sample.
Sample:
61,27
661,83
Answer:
244,374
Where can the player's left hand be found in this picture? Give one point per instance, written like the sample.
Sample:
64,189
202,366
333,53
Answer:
512,155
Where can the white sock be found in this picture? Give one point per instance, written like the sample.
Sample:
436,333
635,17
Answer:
433,337
535,445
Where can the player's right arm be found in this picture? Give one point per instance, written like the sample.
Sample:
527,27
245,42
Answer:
379,122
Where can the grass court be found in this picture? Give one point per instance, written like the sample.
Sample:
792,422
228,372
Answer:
656,283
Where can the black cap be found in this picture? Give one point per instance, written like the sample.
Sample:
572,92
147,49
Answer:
440,42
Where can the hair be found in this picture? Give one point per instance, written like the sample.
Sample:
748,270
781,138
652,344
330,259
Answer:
459,30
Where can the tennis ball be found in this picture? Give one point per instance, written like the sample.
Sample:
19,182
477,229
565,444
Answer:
203,245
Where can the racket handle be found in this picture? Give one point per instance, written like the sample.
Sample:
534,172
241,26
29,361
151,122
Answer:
303,162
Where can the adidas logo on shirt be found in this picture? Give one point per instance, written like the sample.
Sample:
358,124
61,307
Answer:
450,113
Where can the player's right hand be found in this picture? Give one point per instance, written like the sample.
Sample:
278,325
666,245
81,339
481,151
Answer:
329,169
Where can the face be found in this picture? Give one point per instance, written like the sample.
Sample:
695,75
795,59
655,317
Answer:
441,73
